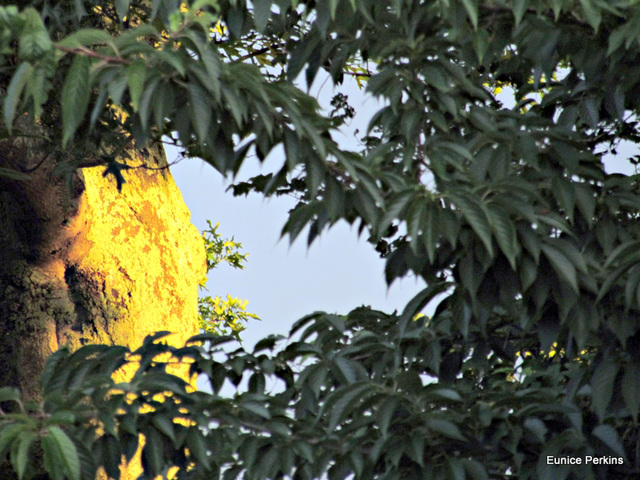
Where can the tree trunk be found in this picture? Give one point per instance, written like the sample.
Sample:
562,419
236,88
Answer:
83,263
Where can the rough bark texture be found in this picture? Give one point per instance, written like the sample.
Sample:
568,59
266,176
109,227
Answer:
90,264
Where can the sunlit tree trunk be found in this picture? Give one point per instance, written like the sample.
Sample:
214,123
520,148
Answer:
82,263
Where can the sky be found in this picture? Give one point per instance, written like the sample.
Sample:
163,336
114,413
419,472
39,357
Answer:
284,281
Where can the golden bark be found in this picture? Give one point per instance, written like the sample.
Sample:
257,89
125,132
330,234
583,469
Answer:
90,264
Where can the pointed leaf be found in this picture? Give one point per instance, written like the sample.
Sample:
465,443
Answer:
475,212
75,97
610,438
85,37
20,459
136,76
8,434
261,13
68,452
631,390
561,264
505,233
14,92
592,13
394,209
519,9
122,8
8,394
602,386
446,428
471,6
201,111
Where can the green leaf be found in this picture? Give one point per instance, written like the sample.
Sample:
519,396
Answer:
448,394
395,208
164,424
315,170
631,288
174,60
347,369
149,96
67,451
624,254
592,13
602,384
197,445
261,13
136,76
21,457
34,41
257,408
75,97
519,9
14,91
341,403
122,8
456,468
201,111
52,460
9,394
475,470
617,38
475,212
8,434
565,194
422,299
385,413
480,42
612,279
446,428
528,272
85,37
631,390
471,6
333,5
505,233
561,264
152,453
416,216
537,427
610,438
431,231
586,202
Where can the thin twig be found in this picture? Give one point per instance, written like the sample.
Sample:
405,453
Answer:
258,52
356,74
90,53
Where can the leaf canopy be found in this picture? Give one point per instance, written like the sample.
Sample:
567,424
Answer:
483,174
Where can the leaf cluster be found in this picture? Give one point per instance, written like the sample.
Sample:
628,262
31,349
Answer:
222,316
346,396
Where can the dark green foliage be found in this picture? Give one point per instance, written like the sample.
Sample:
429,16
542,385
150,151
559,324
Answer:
500,203
355,396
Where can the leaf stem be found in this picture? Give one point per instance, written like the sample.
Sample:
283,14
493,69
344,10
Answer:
90,53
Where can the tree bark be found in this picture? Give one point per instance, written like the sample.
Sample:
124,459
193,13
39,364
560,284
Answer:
83,263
